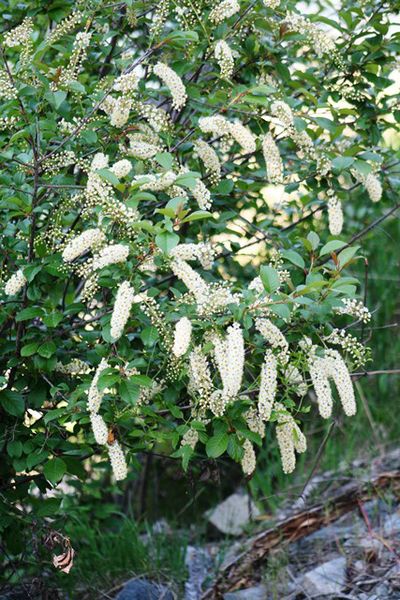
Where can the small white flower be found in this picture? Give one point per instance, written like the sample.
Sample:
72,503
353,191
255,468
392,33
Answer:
15,283
121,310
183,332
173,82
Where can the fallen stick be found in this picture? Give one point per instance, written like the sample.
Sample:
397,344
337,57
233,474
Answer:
237,573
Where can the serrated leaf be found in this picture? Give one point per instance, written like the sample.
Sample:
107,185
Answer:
217,445
29,349
270,278
47,349
332,246
108,175
294,257
29,313
129,391
12,402
54,470
166,241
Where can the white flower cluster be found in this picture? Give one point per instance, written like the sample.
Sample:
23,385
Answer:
268,384
216,124
254,422
100,430
64,27
110,255
272,3
248,461
275,337
157,183
318,39
200,381
15,283
190,438
183,332
174,84
127,83
335,215
95,395
243,136
142,150
157,118
99,427
74,367
82,40
358,353
202,195
354,308
19,35
121,168
117,459
210,159
272,159
7,89
373,187
224,57
224,10
294,378
203,252
229,358
371,184
290,439
121,310
283,112
91,238
332,366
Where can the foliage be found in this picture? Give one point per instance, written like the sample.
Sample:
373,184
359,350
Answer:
172,230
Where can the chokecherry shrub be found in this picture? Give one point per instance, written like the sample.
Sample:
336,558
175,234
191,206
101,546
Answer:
180,183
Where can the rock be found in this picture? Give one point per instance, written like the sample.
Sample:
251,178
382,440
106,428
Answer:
233,514
140,589
198,563
328,578
258,592
391,525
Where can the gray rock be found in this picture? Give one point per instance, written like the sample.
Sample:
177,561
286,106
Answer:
328,578
140,589
391,525
233,514
198,563
258,592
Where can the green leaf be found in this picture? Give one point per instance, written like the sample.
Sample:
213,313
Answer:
52,319
149,336
54,470
342,162
294,257
313,238
12,402
197,215
217,445
270,278
29,313
332,246
129,391
108,175
347,254
14,449
165,159
29,349
141,380
47,349
166,241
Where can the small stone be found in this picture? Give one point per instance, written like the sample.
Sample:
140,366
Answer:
391,525
140,589
233,514
328,578
258,592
